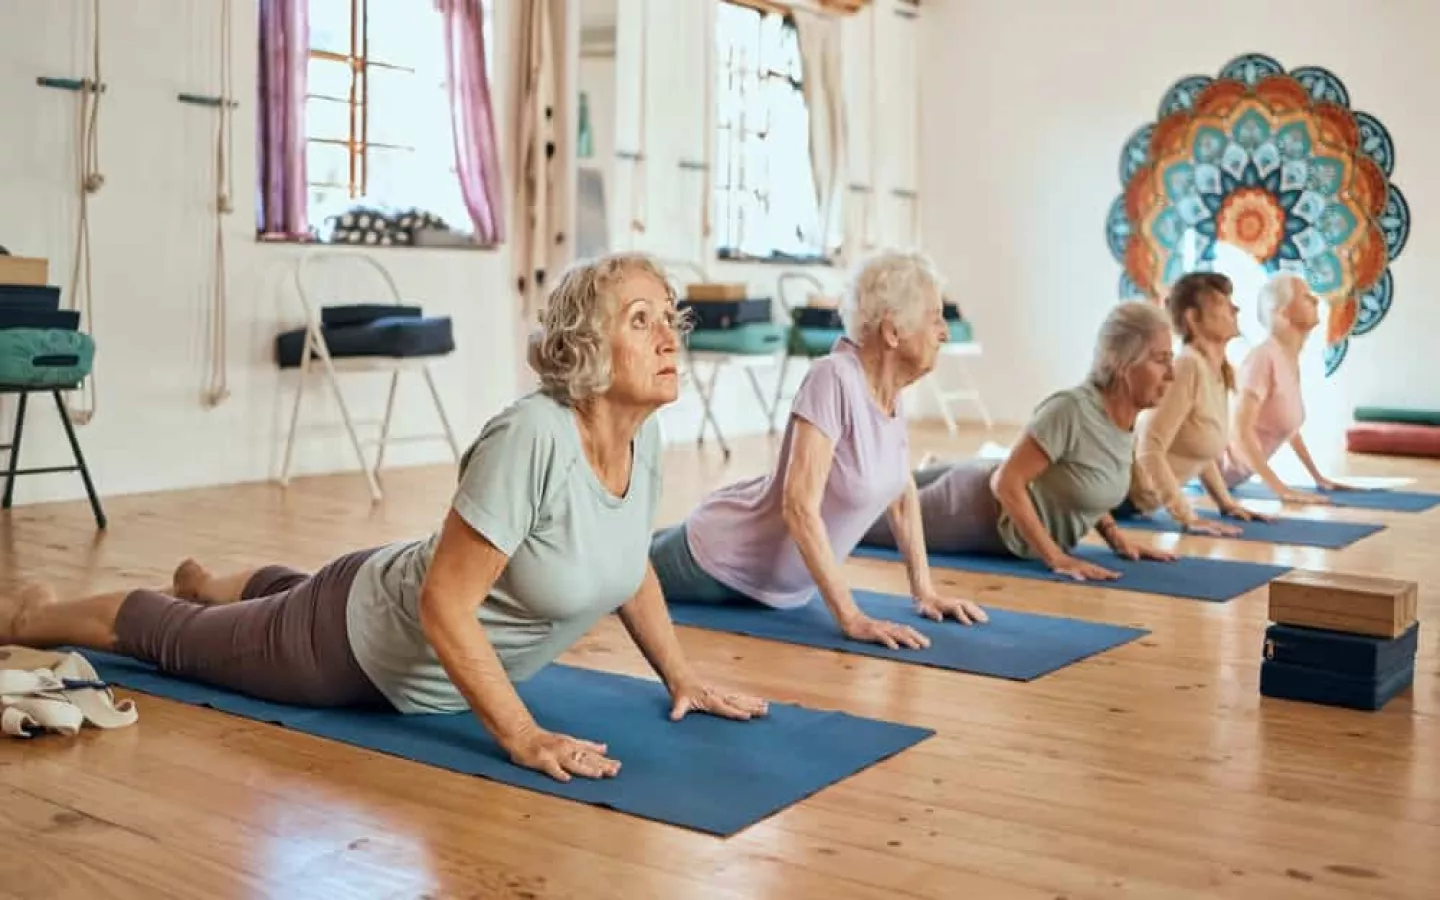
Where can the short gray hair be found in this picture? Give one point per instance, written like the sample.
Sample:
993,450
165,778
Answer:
1124,338
1277,293
892,283
571,350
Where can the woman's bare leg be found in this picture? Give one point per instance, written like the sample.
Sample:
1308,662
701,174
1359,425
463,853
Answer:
198,584
35,617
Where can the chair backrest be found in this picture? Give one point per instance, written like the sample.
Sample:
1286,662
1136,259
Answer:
341,276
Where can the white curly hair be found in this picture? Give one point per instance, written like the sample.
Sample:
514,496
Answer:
1124,338
571,349
901,285
1277,293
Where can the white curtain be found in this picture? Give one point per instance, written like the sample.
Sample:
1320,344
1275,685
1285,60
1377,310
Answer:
823,77
542,151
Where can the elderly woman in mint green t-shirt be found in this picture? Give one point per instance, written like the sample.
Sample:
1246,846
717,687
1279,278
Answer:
548,531
1070,468
779,538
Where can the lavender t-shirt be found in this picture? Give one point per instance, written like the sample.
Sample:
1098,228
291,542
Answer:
738,534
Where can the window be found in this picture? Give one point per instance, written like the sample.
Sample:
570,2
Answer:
764,191
377,116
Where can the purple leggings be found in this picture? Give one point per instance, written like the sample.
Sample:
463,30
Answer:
285,641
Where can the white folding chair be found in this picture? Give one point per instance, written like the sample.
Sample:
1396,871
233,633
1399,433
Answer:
309,287
958,353
716,361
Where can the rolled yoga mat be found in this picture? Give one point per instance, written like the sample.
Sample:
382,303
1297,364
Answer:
1189,577
705,773
1368,498
1015,645
1299,532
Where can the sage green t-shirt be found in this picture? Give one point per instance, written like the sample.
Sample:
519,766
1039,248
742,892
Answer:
1089,472
576,553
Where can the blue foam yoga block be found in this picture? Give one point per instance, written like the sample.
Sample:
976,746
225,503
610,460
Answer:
1341,653
1287,682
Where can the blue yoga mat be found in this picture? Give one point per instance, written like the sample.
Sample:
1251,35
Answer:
1189,577
1015,645
1370,498
1297,531
705,773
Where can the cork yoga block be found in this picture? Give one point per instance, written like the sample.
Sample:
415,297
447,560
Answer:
1356,604
716,290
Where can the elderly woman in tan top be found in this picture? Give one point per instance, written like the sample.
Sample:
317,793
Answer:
1186,434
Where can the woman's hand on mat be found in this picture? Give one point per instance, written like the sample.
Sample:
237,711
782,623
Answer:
559,755
1326,484
933,606
1219,529
1303,497
1245,515
692,696
877,631
1131,551
1080,570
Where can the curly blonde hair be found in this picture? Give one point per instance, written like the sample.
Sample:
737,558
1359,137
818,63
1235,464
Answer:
894,283
571,350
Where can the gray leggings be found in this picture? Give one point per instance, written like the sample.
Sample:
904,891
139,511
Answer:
957,510
681,578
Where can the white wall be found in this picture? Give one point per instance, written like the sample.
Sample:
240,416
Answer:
152,234
1019,164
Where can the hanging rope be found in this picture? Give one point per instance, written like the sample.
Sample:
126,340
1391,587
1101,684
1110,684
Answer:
639,204
870,197
707,155
217,389
89,182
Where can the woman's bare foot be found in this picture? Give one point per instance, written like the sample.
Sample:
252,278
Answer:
189,581
14,608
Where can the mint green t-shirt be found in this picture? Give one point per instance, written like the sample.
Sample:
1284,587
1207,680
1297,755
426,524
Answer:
1089,473
576,553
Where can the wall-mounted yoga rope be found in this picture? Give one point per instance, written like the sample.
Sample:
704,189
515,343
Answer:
217,389
88,181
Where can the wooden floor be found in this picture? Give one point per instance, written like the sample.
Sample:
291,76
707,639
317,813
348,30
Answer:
1152,771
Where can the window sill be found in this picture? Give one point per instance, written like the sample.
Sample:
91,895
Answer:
775,259
306,241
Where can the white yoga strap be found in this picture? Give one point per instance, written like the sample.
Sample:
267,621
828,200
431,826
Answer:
61,699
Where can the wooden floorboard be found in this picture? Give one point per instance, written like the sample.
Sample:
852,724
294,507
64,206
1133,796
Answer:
1153,771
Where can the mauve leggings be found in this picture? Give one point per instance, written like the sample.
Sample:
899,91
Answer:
285,640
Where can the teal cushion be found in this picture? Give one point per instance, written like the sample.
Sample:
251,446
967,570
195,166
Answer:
44,357
751,339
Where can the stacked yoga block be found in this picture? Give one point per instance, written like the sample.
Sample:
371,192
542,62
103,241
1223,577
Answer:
728,320
41,345
1394,432
1340,639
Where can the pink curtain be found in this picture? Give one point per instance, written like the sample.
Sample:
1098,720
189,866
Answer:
477,159
280,151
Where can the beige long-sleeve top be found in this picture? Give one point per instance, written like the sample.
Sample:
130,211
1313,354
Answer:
1181,438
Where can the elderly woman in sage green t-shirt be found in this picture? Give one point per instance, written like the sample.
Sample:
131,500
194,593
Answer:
1069,469
548,531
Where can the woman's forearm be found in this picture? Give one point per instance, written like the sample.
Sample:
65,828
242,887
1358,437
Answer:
909,528
648,622
1256,460
1015,500
807,530
474,667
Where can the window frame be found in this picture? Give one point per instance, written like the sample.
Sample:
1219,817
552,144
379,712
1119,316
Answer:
724,197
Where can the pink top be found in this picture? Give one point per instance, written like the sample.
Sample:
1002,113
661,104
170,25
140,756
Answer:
738,533
1273,377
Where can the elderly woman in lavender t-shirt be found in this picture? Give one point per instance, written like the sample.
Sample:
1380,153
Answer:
844,461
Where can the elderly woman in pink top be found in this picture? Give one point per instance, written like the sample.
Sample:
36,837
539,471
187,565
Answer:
1271,410
844,461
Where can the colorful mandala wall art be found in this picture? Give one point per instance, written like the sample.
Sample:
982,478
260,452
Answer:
1274,163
